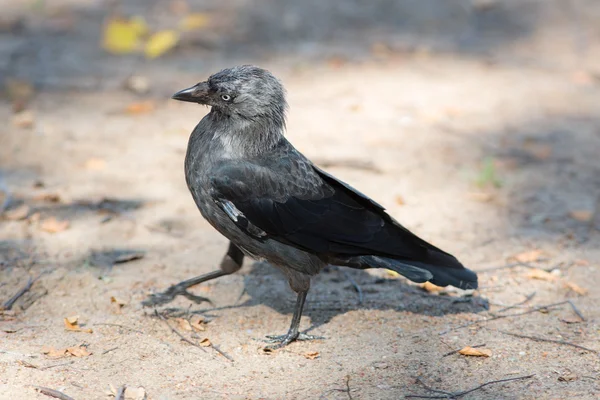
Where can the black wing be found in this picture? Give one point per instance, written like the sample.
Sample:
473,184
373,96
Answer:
292,201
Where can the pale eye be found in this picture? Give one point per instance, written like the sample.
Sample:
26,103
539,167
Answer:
226,97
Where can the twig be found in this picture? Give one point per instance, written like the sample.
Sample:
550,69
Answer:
120,326
456,351
175,331
527,299
455,395
515,264
356,286
505,316
53,393
540,339
218,350
576,311
56,365
121,393
348,387
109,350
11,302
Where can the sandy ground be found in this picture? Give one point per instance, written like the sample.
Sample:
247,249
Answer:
413,129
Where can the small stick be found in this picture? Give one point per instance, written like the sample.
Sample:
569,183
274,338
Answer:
175,331
10,302
109,350
120,326
451,395
505,316
218,350
575,310
527,299
456,351
121,393
540,339
56,365
53,393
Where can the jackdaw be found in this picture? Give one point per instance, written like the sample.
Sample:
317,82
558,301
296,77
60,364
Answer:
273,204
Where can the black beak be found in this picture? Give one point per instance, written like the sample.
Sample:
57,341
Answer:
195,94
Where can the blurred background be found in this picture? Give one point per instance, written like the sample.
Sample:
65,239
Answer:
476,123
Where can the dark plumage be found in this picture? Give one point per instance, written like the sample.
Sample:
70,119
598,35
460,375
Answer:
272,203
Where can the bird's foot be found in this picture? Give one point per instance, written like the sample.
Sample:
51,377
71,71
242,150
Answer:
157,299
280,341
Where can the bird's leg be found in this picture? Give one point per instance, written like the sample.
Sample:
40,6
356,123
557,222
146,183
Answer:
293,333
232,262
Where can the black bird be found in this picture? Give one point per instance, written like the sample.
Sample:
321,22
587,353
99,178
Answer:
273,204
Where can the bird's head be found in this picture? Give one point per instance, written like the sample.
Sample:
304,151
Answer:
245,91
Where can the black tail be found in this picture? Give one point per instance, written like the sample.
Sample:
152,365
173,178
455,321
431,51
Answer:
441,269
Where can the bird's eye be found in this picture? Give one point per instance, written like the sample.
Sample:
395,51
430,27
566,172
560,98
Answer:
226,97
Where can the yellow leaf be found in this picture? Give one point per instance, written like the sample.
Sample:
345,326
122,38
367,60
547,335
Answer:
72,324
194,21
78,351
528,256
50,351
161,42
205,342
470,351
142,107
122,36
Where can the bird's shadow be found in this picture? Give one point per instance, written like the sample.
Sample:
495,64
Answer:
337,290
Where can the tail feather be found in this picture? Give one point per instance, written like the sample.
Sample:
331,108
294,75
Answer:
441,269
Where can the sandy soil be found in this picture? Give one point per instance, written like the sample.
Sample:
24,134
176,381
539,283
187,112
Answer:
413,129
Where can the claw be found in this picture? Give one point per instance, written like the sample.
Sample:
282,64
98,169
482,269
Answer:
281,341
169,295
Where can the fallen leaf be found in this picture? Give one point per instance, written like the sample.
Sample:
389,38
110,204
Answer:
568,377
194,21
142,107
528,256
24,119
47,196
541,275
95,164
581,215
161,42
118,301
430,287
122,36
399,200
52,225
135,393
184,324
72,324
197,323
470,351
576,288
205,342
78,351
311,355
50,351
18,213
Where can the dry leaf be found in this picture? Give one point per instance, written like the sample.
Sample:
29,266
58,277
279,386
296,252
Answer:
122,36
17,214
78,351
72,324
399,200
581,215
576,288
142,107
24,119
430,287
528,256
52,225
47,196
50,351
194,21
197,323
135,393
205,342
184,324
161,42
311,355
568,377
118,301
470,351
95,164
541,275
